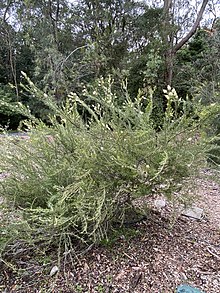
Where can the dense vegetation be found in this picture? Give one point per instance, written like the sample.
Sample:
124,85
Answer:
63,46
121,101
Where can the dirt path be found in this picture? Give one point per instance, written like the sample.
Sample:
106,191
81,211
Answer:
208,192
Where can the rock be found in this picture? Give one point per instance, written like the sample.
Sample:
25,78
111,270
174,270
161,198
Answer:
193,212
187,289
53,271
160,203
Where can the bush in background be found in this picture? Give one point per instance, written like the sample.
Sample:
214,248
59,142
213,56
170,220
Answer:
9,117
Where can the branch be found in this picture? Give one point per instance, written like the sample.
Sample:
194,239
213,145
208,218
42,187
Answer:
50,11
60,64
6,10
166,7
193,29
57,10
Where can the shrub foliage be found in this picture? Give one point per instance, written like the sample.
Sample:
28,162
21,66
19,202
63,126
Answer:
76,178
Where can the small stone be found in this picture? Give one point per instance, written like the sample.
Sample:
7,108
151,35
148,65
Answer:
193,212
215,282
53,271
160,203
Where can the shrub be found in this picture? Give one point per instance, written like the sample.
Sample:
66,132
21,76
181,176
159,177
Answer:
75,179
208,94
8,108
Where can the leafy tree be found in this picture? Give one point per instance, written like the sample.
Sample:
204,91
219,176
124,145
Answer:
107,26
173,40
198,63
198,73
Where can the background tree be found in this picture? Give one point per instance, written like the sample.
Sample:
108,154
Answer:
64,45
172,32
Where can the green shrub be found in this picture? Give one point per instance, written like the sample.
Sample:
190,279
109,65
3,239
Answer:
73,180
208,94
9,116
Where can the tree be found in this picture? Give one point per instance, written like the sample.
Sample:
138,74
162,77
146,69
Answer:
171,32
107,26
198,63
8,52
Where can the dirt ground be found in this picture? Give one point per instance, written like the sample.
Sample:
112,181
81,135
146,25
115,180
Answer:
153,256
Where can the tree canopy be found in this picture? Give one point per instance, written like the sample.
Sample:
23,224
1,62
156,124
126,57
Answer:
63,45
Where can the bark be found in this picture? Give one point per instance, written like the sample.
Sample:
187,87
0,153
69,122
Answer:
168,41
13,64
169,57
10,48
54,20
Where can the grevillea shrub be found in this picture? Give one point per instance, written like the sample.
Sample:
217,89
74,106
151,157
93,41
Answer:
76,178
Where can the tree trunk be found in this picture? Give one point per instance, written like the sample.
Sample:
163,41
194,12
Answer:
169,67
168,42
12,60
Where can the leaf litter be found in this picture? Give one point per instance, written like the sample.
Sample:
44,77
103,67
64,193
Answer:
158,257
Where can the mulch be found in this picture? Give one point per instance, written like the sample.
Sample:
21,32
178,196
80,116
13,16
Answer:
154,255
157,258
